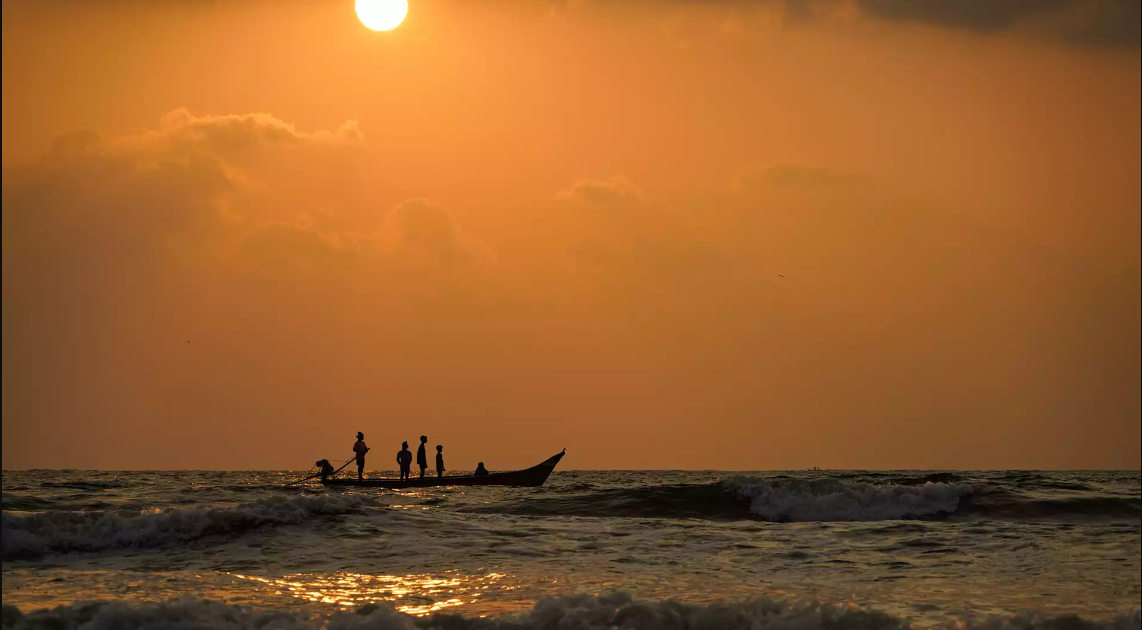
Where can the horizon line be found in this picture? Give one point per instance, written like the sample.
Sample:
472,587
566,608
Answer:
756,470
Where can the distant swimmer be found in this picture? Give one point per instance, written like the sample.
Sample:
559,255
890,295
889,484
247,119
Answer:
439,460
404,460
421,456
480,470
360,449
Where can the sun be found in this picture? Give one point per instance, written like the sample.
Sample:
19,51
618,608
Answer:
382,15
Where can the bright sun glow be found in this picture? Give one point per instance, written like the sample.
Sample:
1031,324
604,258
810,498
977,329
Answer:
382,15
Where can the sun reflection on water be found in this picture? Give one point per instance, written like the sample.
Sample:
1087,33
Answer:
413,594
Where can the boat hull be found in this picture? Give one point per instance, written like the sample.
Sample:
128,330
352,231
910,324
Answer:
526,478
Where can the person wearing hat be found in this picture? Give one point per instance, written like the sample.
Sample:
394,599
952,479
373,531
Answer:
360,449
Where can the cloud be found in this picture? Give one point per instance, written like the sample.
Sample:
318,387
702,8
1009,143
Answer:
181,136
224,133
123,240
420,232
188,166
1109,23
85,194
981,15
617,191
416,234
297,247
103,213
111,226
1087,23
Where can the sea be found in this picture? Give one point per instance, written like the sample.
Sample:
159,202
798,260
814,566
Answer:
836,550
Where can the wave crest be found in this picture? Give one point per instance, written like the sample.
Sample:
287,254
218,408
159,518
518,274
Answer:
824,499
582,612
35,535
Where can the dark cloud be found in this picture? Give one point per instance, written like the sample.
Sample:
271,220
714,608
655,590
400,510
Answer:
981,15
1088,23
1109,23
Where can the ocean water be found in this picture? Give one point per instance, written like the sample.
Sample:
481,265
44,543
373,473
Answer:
588,550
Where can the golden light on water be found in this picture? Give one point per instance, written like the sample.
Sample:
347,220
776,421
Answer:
412,594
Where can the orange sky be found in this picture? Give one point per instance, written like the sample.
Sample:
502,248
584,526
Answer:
723,235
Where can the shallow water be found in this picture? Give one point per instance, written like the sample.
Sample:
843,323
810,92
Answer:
931,549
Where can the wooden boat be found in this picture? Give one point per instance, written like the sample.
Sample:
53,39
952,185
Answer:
528,477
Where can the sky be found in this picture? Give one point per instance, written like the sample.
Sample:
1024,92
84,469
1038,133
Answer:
664,234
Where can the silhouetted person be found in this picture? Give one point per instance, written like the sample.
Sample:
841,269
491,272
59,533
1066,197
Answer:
326,468
439,460
404,460
421,456
360,449
480,470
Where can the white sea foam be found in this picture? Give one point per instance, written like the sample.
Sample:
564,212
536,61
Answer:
575,612
824,499
34,535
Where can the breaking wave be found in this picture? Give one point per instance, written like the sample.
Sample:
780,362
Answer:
778,499
35,535
784,498
824,499
580,612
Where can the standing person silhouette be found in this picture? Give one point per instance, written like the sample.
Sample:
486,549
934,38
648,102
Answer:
360,449
439,460
404,460
421,456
